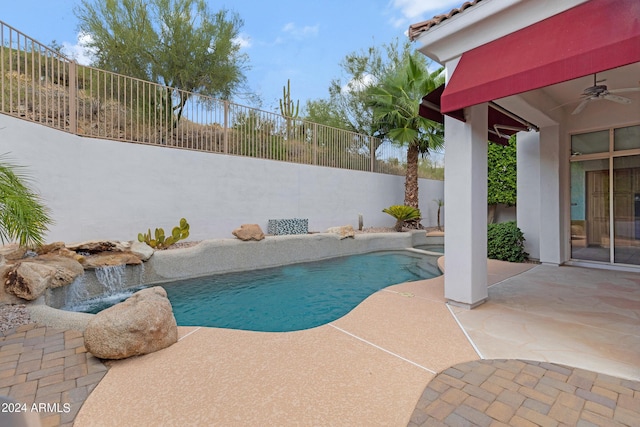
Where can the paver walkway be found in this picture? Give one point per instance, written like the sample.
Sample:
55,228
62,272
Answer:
526,393
41,365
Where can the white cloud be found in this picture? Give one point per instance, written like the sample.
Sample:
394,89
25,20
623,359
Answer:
357,85
243,40
416,10
301,32
79,51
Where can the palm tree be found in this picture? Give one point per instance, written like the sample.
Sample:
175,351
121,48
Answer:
396,112
22,216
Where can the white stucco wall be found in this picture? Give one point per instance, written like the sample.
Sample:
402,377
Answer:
100,189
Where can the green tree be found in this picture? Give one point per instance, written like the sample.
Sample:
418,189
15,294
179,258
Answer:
177,43
502,181
396,114
23,217
362,71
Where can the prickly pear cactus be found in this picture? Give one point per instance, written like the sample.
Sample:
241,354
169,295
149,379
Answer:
161,241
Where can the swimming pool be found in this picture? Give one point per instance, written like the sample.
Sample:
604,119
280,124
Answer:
288,298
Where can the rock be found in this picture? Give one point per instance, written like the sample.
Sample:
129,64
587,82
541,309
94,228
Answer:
108,259
12,252
67,269
142,324
248,232
29,280
142,250
51,247
94,246
6,297
59,249
343,231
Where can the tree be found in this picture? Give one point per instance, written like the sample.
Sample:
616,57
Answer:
502,181
178,43
396,114
22,216
362,71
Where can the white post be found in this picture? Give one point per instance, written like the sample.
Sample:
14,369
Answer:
528,205
550,196
465,278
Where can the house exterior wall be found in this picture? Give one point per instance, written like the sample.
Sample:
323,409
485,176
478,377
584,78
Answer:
100,189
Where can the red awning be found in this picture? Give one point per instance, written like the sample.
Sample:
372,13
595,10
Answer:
595,36
501,124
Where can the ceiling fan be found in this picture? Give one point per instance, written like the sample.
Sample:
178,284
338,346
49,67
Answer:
599,91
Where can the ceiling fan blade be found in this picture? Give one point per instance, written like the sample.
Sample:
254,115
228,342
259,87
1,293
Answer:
616,98
566,103
629,89
581,106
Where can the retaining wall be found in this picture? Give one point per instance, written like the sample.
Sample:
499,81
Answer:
102,189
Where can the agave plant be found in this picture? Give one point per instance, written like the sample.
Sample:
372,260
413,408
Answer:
402,213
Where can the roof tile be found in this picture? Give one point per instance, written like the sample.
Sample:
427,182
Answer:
416,29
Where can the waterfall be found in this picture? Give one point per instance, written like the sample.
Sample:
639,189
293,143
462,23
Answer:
77,291
112,278
109,286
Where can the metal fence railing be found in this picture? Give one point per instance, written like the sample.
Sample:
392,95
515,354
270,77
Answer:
43,86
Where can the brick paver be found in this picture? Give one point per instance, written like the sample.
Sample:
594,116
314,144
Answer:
49,371
526,393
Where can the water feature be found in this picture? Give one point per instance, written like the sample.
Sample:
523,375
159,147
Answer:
293,297
114,284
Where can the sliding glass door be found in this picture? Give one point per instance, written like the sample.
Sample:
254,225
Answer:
605,184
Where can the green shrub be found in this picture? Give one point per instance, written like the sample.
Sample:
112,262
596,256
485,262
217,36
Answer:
505,242
402,213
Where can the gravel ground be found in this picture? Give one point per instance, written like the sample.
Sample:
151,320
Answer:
12,316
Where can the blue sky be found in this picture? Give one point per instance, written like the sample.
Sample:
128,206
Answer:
299,40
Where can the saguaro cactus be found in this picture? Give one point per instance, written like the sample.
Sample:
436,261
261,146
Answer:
287,108
286,104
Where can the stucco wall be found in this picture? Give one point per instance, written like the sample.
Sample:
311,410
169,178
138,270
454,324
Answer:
100,189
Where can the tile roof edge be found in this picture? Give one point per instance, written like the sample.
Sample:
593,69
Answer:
418,28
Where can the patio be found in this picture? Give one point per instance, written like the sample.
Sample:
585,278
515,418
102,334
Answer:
372,366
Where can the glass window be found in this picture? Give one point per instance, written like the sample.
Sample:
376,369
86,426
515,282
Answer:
590,210
626,138
588,143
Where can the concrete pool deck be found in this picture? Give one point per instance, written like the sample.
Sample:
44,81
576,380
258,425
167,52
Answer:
370,367
399,358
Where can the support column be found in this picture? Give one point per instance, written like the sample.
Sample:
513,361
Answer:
550,195
528,206
465,278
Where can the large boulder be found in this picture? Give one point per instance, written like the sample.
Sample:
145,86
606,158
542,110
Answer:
248,232
342,231
30,277
142,324
6,297
67,269
29,280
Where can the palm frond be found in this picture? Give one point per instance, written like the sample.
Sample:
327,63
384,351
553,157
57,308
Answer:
23,217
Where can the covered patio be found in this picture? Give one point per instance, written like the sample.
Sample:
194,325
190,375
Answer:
564,76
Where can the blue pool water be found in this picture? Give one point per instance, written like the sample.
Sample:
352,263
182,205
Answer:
292,297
